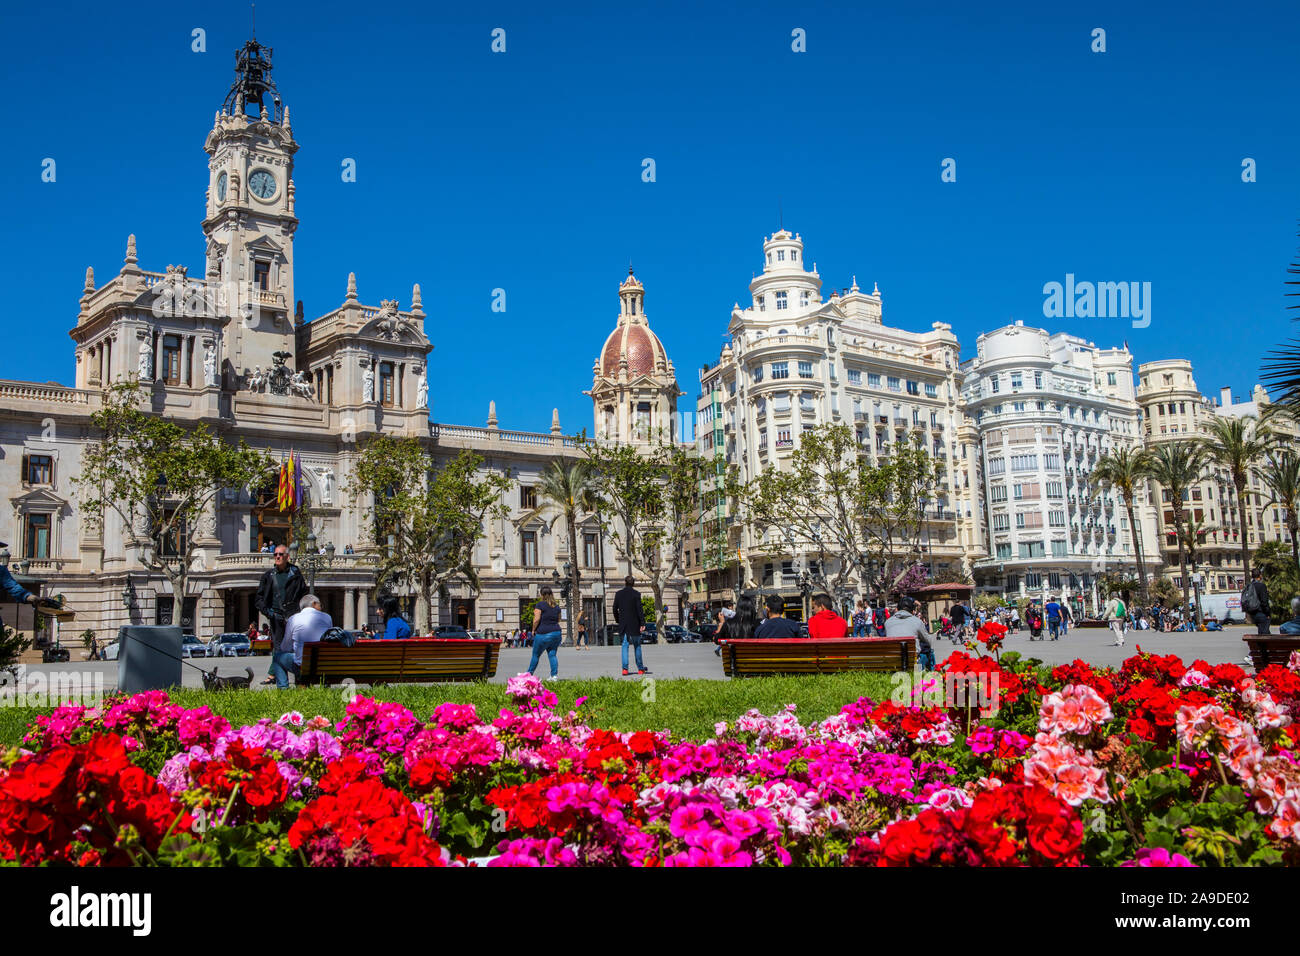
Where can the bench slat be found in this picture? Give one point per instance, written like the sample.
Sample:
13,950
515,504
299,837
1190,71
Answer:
743,658
419,659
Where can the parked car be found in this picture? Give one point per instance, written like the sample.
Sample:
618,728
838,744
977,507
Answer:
676,634
614,636
707,631
450,630
191,646
230,644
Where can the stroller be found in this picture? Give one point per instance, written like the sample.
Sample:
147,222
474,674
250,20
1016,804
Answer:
1035,627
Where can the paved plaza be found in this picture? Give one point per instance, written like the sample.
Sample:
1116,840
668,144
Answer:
669,661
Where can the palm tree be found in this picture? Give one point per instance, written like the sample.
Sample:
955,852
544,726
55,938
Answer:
1176,466
1238,444
1125,470
567,489
1283,375
1281,474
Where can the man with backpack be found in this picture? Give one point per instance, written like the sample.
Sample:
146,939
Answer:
1117,618
1254,601
1053,609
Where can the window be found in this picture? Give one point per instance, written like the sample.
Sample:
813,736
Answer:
1018,406
1051,460
1110,378
1004,550
1038,380
261,274
38,469
830,334
1058,550
913,388
780,257
529,556
998,492
780,403
762,303
780,370
527,497
590,550
1016,380
1032,549
757,373
171,368
760,408
805,370
931,390
762,439
997,466
1055,489
806,403
783,439
1024,462
1056,519
387,394
38,536
895,384
781,302
1001,523
855,376
873,380
994,380
1029,519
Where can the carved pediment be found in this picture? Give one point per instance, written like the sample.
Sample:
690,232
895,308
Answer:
39,499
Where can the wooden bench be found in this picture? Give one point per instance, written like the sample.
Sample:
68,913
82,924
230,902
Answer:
428,659
754,657
1274,649
260,645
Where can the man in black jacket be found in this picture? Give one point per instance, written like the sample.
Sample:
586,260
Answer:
630,617
1261,616
278,593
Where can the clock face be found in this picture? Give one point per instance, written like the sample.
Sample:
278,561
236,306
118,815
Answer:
262,184
221,188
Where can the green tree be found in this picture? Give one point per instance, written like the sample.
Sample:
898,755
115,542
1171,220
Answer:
433,511
1126,470
1281,578
1282,374
1281,475
649,503
161,480
1176,466
830,499
567,489
1238,445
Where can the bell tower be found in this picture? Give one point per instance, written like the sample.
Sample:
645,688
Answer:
249,222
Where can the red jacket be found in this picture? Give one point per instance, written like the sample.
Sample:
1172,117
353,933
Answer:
826,623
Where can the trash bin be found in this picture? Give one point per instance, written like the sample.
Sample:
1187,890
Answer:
148,658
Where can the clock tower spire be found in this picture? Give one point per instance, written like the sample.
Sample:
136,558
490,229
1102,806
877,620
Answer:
250,223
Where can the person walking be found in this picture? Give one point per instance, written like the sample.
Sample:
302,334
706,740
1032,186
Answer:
957,614
1067,618
860,619
546,632
1053,609
826,623
279,593
395,626
880,617
1116,615
629,615
1015,619
581,639
305,627
905,623
776,625
1254,601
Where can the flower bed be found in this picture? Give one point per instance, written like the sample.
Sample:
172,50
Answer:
1156,764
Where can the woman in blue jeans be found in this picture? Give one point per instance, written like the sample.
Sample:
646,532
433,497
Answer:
546,632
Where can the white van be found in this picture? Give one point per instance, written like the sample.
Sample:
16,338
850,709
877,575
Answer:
1226,607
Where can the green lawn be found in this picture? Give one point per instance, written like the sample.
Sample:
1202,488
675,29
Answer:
689,708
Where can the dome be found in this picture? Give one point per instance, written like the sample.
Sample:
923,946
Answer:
638,344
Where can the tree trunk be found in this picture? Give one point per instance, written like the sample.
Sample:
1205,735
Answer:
1182,548
1137,547
657,589
424,606
1293,525
575,593
1245,546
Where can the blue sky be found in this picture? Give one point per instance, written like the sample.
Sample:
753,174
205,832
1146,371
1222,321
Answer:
522,170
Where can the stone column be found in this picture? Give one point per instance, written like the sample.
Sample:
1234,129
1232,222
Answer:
363,607
349,609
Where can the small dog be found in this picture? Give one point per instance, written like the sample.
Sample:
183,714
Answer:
211,681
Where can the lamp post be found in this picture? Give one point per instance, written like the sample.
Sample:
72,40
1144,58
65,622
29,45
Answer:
805,587
313,561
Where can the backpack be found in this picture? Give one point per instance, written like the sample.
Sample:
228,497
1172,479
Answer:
1120,610
1250,599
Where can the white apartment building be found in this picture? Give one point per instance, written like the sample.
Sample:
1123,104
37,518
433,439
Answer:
1047,407
797,360
1175,410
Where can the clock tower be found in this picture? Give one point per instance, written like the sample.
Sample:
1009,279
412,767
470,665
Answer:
249,221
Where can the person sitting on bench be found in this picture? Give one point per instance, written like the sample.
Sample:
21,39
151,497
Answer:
1292,627
777,624
305,627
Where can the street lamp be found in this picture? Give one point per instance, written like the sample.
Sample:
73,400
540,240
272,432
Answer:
313,561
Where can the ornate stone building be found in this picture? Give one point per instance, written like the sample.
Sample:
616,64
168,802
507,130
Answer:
796,360
231,348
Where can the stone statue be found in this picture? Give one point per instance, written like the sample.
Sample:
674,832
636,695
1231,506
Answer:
302,385
145,369
422,389
368,385
210,364
257,380
325,476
